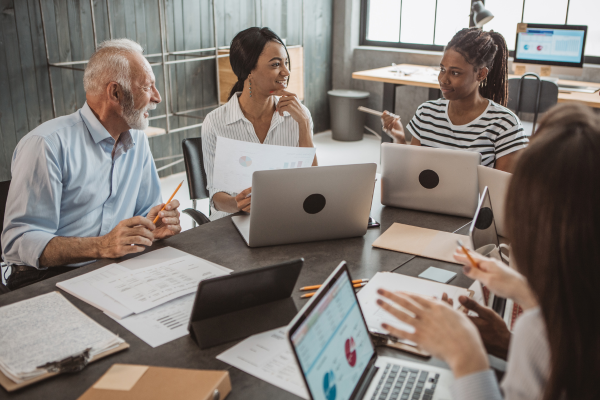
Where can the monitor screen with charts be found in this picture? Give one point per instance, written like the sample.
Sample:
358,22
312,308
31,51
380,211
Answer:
561,45
333,345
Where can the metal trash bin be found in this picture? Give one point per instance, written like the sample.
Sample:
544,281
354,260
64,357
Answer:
347,123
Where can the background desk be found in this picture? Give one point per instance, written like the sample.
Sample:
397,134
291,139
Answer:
426,79
220,242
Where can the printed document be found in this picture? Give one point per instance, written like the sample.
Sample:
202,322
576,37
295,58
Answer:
162,324
236,161
82,288
47,329
145,288
268,356
375,315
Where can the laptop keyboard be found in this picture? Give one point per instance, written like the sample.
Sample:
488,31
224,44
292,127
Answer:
403,383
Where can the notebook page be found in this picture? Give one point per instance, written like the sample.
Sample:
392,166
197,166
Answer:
47,328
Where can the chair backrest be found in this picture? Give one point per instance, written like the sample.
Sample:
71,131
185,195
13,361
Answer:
529,95
194,168
3,196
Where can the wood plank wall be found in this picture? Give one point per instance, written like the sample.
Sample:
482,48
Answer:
25,100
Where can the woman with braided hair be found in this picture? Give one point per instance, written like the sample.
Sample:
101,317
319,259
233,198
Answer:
259,110
472,115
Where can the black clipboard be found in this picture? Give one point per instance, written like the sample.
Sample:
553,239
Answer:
235,306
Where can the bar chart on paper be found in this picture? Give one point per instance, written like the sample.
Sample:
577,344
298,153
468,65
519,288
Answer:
236,161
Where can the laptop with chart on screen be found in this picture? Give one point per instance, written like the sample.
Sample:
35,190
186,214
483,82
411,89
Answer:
337,359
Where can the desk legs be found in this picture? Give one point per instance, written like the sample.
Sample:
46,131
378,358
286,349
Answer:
389,104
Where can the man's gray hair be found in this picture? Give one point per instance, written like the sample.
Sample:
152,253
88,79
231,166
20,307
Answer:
110,63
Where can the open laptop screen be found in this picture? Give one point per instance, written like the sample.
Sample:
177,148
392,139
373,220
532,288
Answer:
333,344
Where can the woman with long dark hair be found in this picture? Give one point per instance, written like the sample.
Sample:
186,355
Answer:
259,110
554,229
472,115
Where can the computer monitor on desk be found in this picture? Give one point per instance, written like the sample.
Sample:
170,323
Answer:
560,47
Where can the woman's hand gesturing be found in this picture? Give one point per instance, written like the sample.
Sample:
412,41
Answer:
439,329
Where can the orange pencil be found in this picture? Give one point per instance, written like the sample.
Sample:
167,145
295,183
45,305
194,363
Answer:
315,287
356,286
471,260
173,195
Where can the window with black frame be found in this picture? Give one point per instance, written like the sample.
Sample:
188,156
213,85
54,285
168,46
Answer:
430,24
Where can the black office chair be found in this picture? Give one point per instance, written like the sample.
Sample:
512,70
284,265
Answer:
196,177
3,196
531,94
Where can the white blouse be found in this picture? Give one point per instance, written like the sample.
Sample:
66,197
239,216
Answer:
229,121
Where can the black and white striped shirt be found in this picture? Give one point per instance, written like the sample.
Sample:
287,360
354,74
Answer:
228,121
495,133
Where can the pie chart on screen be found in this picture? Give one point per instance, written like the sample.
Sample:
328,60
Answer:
245,161
329,386
350,348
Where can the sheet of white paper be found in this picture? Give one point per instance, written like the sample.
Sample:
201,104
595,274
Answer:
268,356
155,257
82,288
145,288
236,161
375,315
162,324
47,328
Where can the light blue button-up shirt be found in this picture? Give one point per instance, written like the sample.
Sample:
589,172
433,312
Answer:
66,181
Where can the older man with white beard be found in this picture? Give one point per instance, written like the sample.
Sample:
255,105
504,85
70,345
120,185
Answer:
84,186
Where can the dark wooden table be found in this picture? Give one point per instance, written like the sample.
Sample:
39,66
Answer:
220,242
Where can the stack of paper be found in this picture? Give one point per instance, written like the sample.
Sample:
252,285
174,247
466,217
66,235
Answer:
47,329
151,295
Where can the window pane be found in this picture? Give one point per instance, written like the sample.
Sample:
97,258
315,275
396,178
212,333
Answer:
418,19
545,11
452,16
384,20
507,14
586,12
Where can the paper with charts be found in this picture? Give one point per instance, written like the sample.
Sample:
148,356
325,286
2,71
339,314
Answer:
162,324
236,161
268,356
143,289
375,315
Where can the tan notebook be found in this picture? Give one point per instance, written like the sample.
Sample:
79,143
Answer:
141,382
422,242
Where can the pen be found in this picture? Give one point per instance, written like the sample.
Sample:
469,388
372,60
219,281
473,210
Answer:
315,287
475,264
173,195
356,286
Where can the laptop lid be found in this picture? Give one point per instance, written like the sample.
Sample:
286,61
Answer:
483,228
331,342
429,179
498,183
309,204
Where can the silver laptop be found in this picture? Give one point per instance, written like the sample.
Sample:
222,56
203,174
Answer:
330,340
308,204
427,179
497,183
